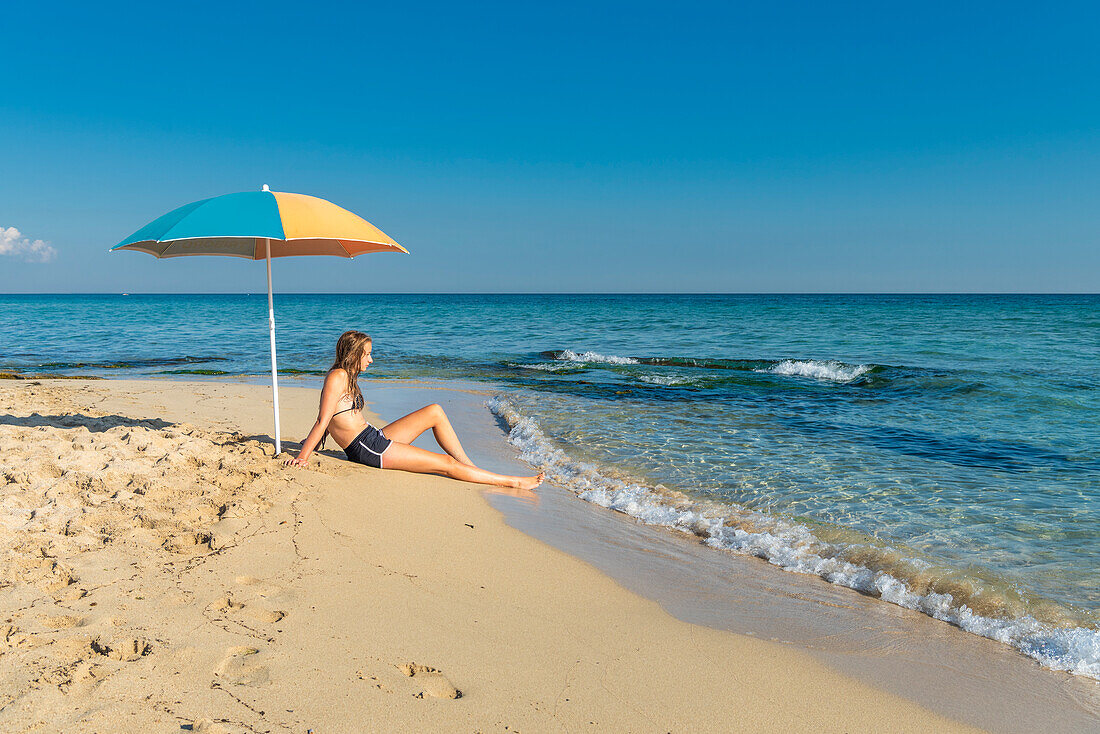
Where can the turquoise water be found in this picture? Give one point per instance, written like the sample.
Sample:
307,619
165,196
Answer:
940,452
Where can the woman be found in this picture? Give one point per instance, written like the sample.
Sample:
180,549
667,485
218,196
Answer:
340,416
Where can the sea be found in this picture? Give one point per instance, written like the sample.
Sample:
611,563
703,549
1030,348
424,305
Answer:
938,452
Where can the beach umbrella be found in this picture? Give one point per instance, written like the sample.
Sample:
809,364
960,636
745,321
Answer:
260,225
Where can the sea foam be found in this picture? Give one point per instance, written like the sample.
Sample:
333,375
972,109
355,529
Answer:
592,357
794,547
828,370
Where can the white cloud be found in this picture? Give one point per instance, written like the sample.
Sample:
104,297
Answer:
12,242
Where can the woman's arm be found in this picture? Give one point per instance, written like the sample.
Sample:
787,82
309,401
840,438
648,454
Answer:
335,387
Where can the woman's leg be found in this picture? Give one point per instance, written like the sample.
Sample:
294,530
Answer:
410,458
405,430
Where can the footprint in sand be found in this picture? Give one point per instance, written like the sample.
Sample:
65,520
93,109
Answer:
266,616
61,622
80,676
70,593
258,586
240,668
59,580
125,649
205,513
85,676
432,682
227,606
190,543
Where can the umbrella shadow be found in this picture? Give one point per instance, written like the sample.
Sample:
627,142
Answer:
94,424
103,423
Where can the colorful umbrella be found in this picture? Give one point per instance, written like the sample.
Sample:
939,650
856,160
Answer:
260,225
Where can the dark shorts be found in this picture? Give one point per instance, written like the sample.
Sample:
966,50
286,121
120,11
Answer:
368,447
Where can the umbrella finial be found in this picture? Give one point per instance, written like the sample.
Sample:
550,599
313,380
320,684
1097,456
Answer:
265,188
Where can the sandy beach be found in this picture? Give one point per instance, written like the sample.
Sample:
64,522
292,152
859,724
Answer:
792,316
162,572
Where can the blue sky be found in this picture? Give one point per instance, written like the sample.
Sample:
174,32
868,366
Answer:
766,147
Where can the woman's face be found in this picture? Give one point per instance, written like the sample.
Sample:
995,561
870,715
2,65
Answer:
366,359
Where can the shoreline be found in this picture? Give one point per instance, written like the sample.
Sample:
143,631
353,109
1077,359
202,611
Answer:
348,501
945,668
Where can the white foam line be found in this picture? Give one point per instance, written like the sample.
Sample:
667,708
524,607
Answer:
793,547
592,357
831,370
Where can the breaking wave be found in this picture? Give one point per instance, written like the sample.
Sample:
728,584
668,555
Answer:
569,355
825,370
831,370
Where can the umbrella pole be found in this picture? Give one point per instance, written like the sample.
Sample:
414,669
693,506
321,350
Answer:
274,368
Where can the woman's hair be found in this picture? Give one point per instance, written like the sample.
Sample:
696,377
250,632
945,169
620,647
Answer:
349,355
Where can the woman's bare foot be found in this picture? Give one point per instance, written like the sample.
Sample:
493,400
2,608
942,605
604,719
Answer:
530,482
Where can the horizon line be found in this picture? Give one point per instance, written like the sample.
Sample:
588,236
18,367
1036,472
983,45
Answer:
552,293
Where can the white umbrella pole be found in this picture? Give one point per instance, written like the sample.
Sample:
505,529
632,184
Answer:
274,368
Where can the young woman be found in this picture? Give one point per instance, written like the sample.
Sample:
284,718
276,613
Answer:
340,416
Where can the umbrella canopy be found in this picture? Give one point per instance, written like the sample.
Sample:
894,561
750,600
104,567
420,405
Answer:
239,225
260,225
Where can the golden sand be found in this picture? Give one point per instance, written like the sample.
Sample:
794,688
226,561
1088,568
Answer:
160,570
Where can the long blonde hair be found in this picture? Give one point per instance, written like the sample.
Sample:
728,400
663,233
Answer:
349,357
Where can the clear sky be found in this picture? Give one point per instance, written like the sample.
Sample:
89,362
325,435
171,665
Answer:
564,147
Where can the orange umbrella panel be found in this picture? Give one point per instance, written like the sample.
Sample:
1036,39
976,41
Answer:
240,225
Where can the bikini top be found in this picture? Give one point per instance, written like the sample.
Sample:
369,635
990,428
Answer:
356,404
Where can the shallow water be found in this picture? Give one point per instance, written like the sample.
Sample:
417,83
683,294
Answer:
940,452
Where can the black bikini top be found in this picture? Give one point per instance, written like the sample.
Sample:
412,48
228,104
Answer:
357,404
